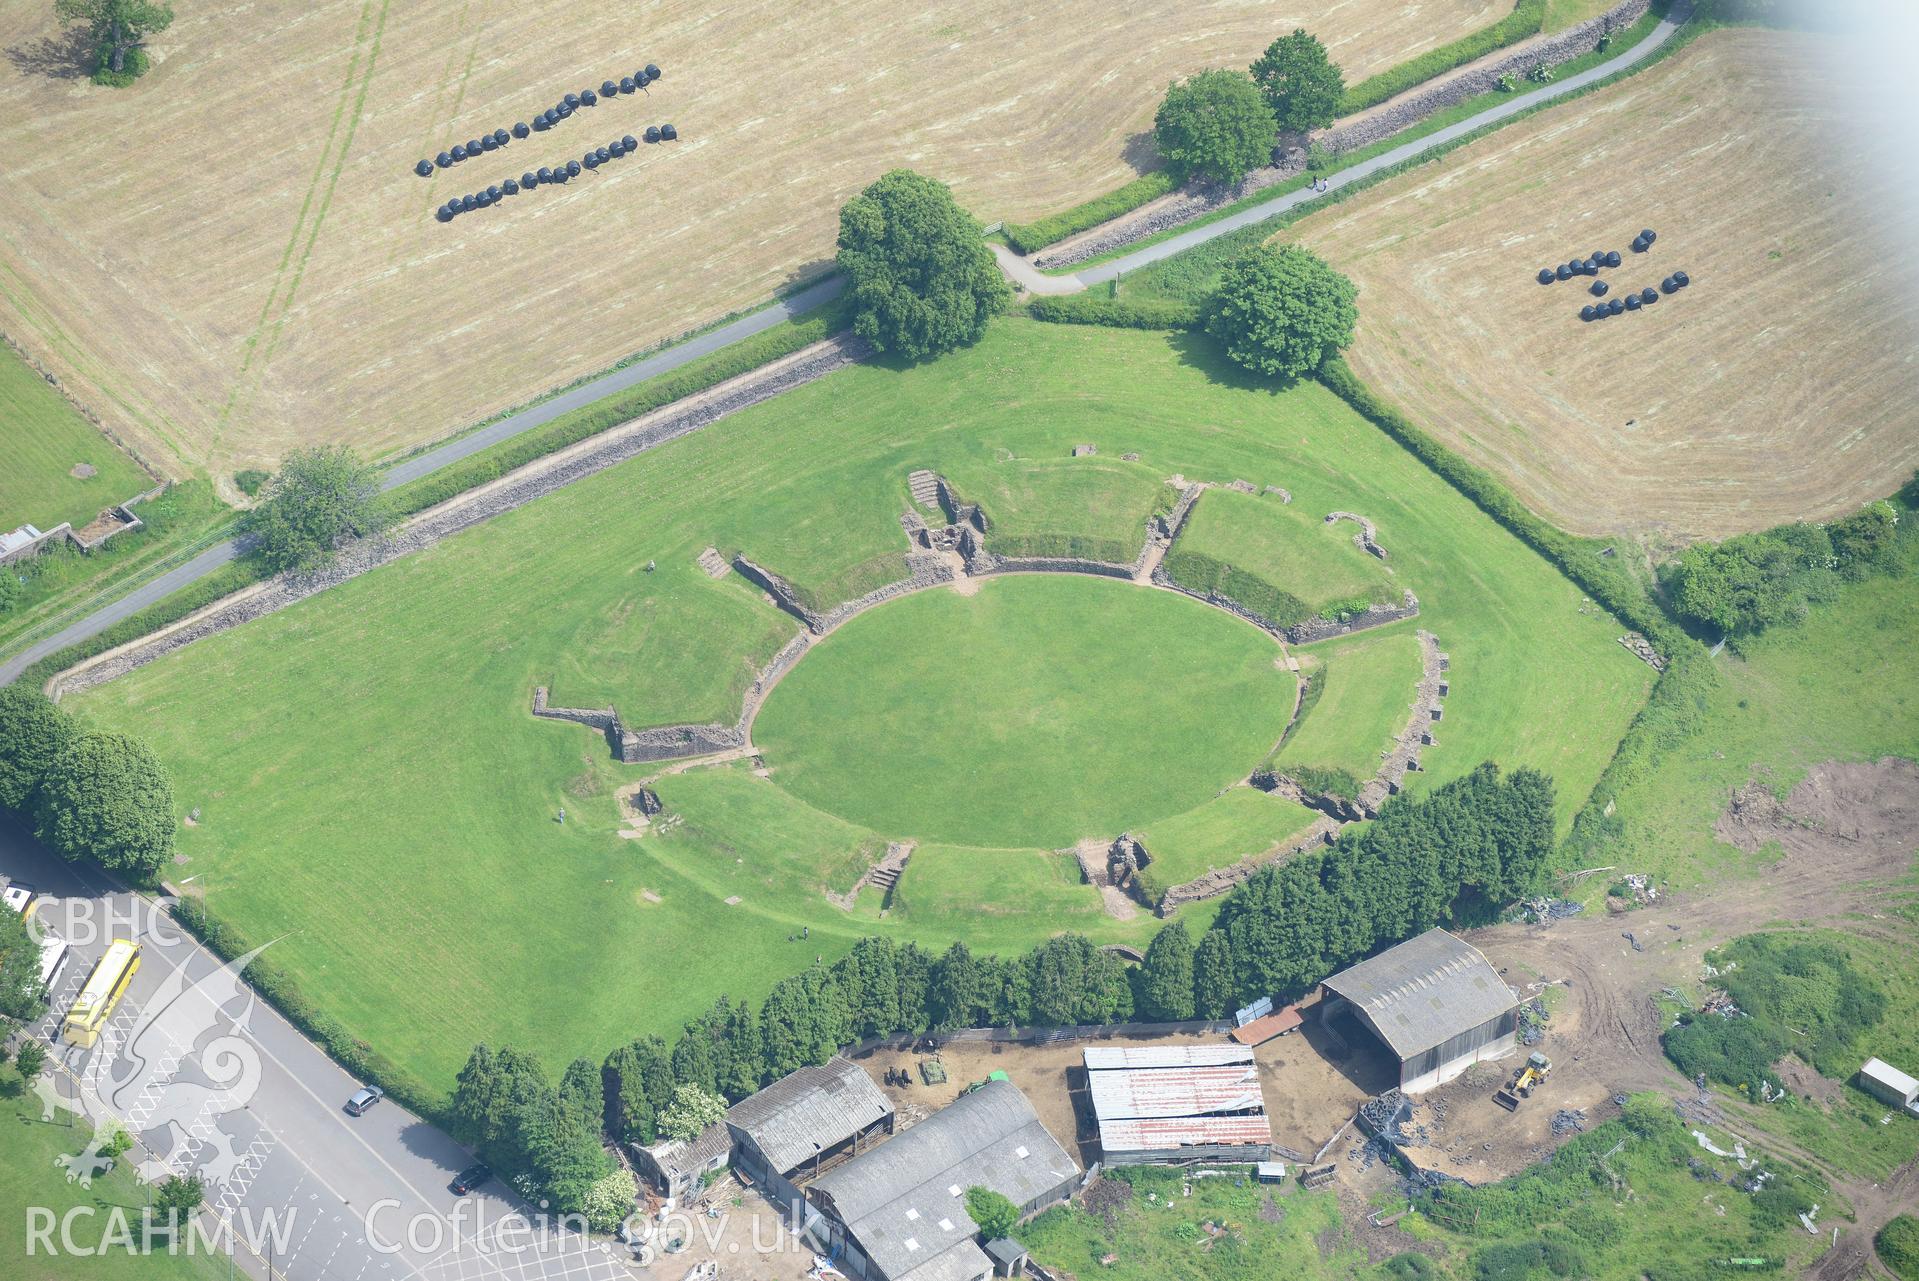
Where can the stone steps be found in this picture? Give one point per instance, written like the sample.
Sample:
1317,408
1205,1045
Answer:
925,488
712,563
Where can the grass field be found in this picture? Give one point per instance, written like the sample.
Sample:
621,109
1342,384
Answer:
376,737
1366,698
1775,388
199,256
1041,710
1287,548
45,439
29,1178
1038,506
1239,823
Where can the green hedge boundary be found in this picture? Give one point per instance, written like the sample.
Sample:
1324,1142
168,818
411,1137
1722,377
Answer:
1526,19
273,983
1115,313
602,415
1031,237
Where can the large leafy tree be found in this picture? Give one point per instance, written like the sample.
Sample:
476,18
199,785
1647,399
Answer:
923,282
995,1214
1299,82
1282,312
33,733
106,798
118,27
690,1112
320,498
637,1085
1215,126
1213,976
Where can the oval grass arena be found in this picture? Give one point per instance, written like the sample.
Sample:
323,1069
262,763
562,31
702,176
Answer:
1043,710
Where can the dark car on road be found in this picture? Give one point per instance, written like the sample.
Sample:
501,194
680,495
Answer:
363,1100
470,1178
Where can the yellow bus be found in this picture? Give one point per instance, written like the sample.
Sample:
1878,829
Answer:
104,988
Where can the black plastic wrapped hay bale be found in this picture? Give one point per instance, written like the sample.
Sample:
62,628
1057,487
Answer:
627,85
563,109
1593,264
544,174
1632,302
588,98
424,168
608,88
511,186
571,100
1648,296
502,137
520,130
1546,276
1599,288
630,143
468,204
572,168
1681,279
444,159
652,73
591,161
1649,235
529,180
459,153
488,143
652,133
1612,258
1614,307
602,155
443,214
1586,312
1639,246
668,133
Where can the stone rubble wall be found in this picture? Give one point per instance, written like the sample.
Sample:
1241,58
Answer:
670,742
604,719
535,480
1367,539
993,563
1369,127
781,591
1322,832
1318,629
1404,753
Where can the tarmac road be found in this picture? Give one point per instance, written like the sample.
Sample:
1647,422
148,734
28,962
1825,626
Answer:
306,1178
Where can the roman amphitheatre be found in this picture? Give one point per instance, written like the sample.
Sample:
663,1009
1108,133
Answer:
267,262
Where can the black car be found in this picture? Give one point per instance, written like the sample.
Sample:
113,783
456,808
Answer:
470,1178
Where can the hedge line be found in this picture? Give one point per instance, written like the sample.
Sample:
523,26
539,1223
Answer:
1031,237
1115,313
1527,17
1205,574
351,1053
602,415
168,609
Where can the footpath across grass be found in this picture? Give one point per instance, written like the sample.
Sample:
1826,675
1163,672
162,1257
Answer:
371,784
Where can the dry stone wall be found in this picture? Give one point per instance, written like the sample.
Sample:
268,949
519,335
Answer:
1318,629
1369,127
535,480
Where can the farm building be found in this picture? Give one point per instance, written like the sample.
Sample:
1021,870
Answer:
676,1169
1436,1004
1889,1085
799,1126
1266,1027
1178,1103
897,1211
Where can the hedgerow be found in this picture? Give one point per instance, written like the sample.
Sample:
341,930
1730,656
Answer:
1203,573
1114,313
1525,20
1030,237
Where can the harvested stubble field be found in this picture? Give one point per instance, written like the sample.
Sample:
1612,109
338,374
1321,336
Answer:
1778,387
234,258
385,720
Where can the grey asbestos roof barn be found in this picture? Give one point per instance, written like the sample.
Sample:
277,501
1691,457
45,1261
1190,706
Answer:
1424,992
904,1202
809,1111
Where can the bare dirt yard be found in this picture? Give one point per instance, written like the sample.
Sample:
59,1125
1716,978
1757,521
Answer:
1779,386
234,257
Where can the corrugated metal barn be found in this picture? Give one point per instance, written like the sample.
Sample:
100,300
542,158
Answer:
1434,1001
1177,1103
801,1124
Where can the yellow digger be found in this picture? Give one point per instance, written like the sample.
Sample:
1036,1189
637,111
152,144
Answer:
1532,1073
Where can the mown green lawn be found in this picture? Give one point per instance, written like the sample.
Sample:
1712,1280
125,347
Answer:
1034,504
1363,704
1245,821
30,1180
1044,709
1288,548
42,438
371,785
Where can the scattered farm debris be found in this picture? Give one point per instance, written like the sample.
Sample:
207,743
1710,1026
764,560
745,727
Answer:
1569,1121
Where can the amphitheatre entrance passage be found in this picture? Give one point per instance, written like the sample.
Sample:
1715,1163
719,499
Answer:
1039,711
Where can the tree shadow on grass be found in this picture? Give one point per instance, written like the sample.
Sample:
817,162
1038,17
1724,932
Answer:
64,55
1201,352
